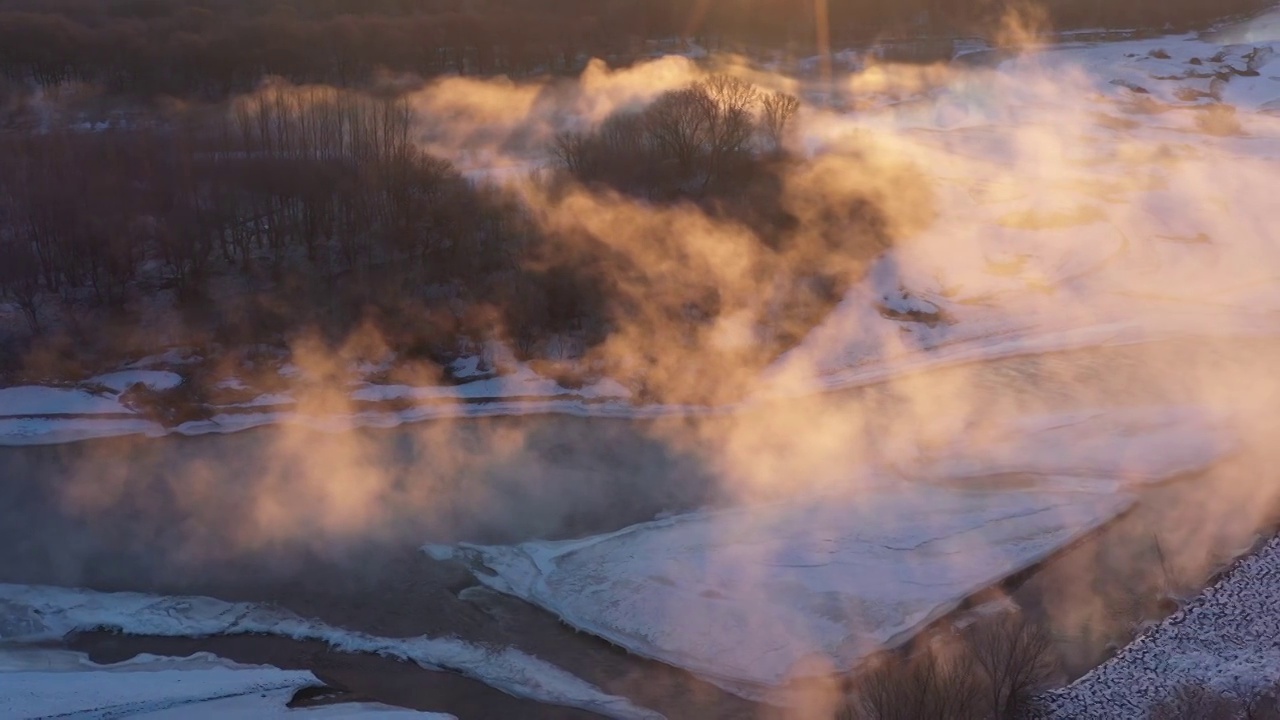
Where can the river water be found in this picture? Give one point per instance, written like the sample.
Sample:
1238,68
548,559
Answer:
170,515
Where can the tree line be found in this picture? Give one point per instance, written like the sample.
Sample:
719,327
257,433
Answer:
709,138
314,203
214,48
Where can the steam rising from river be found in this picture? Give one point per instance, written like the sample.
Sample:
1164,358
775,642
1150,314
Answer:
1052,201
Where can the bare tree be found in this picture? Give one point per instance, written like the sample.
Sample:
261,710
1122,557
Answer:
777,109
730,107
570,149
938,681
679,122
1014,654
20,279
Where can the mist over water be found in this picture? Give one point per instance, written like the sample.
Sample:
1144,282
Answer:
1042,203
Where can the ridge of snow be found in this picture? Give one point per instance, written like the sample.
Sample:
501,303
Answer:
44,683
41,613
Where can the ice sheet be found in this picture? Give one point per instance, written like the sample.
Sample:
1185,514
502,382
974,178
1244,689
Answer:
38,613
746,597
43,684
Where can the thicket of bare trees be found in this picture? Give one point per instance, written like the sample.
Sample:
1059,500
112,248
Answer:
214,48
991,669
709,138
316,202
312,207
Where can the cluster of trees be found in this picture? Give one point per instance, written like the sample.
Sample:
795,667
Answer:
298,208
217,47
316,203
712,137
734,227
990,670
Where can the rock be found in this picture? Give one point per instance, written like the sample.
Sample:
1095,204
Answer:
1257,58
1131,87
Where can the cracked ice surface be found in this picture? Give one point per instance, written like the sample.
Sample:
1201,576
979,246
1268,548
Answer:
745,597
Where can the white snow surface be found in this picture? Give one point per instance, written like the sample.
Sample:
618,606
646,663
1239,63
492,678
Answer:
746,597
39,613
45,683
32,400
522,383
1074,210
1223,639
152,379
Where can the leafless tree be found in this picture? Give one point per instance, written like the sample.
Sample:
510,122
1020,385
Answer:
731,105
933,682
1015,656
777,110
680,122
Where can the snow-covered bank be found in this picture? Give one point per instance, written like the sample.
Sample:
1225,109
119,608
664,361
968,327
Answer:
34,613
46,416
746,597
38,415
1225,639
48,683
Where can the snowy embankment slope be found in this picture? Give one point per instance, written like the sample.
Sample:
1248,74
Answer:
40,614
45,684
745,597
1225,639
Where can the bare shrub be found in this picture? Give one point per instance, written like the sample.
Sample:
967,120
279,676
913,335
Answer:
989,670
689,139
1014,656
940,681
777,110
1219,120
